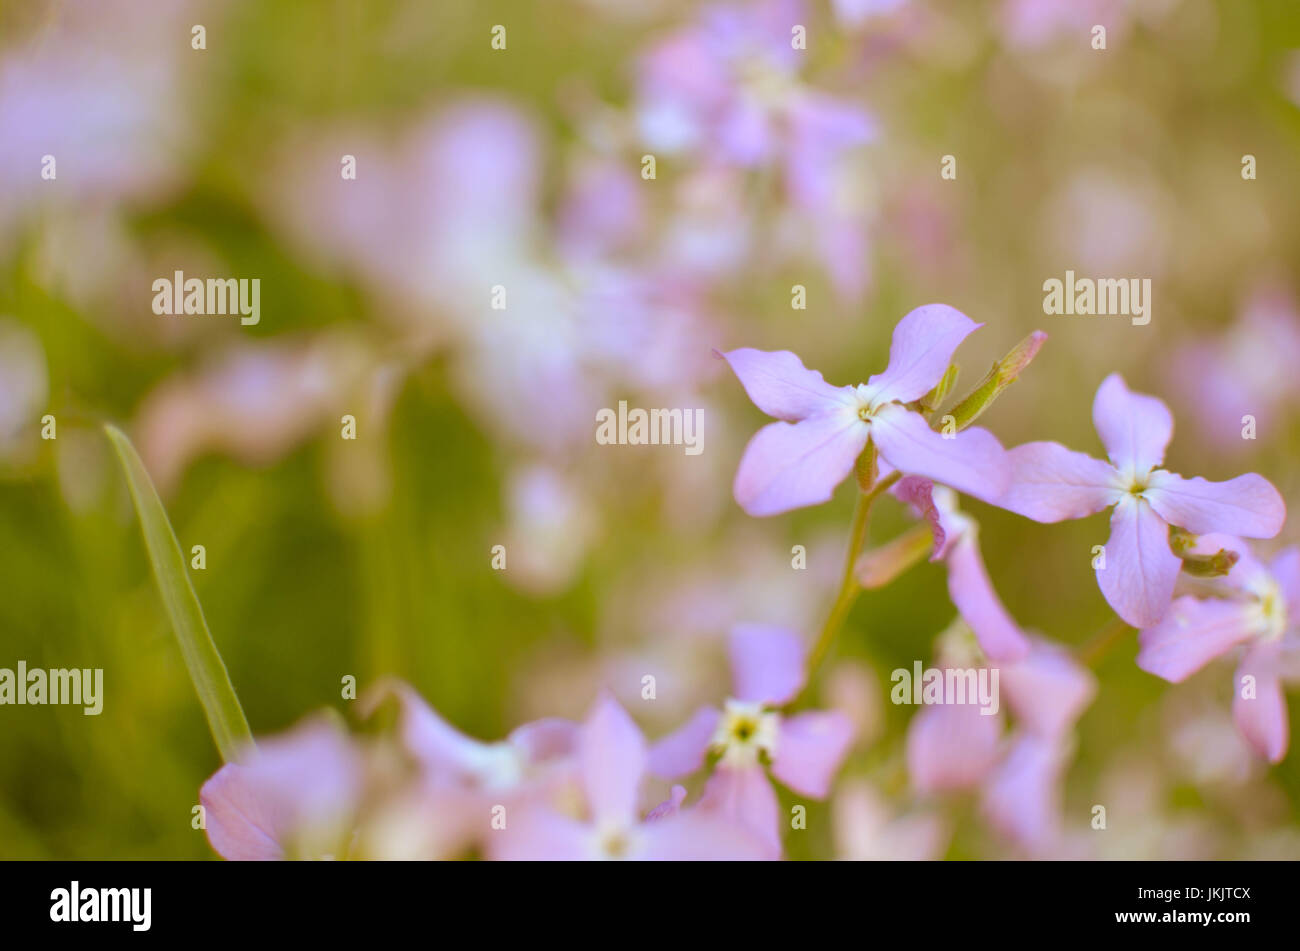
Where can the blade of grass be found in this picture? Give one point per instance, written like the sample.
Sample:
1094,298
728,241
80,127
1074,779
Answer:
207,671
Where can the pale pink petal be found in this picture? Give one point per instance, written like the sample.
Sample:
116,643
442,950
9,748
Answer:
1192,634
973,594
701,836
781,386
1050,483
790,465
767,663
971,461
683,752
1262,720
746,796
1134,428
243,824
441,749
918,492
1285,569
922,348
1048,690
1247,505
547,739
811,748
1140,573
1022,799
951,746
612,761
535,834
298,789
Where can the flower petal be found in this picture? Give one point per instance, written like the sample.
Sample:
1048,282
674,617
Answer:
1023,797
441,749
952,746
1140,571
1050,483
701,836
535,834
550,738
918,492
781,386
1049,689
787,466
745,795
1262,719
293,795
1134,428
973,594
1192,634
810,750
922,347
972,461
767,663
1285,569
683,752
1247,505
612,761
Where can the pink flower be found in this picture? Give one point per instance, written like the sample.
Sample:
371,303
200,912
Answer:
1050,483
804,751
611,764
449,758
1262,613
955,747
824,428
292,797
956,545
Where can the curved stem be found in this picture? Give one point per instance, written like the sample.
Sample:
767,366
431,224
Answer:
849,587
1101,643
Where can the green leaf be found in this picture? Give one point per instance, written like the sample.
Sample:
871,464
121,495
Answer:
207,671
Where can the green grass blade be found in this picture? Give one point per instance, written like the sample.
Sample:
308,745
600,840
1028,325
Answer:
207,670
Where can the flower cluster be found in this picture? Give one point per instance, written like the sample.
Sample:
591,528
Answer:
555,789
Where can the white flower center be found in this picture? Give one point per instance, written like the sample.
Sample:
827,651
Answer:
498,766
1269,610
746,734
614,841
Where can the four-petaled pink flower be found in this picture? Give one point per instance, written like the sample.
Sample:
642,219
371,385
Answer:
1262,613
1050,483
801,460
804,750
611,761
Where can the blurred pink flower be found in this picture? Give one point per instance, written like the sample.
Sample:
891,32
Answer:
611,763
1248,370
292,797
955,747
804,750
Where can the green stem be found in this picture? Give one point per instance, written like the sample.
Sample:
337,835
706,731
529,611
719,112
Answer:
1097,648
849,587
